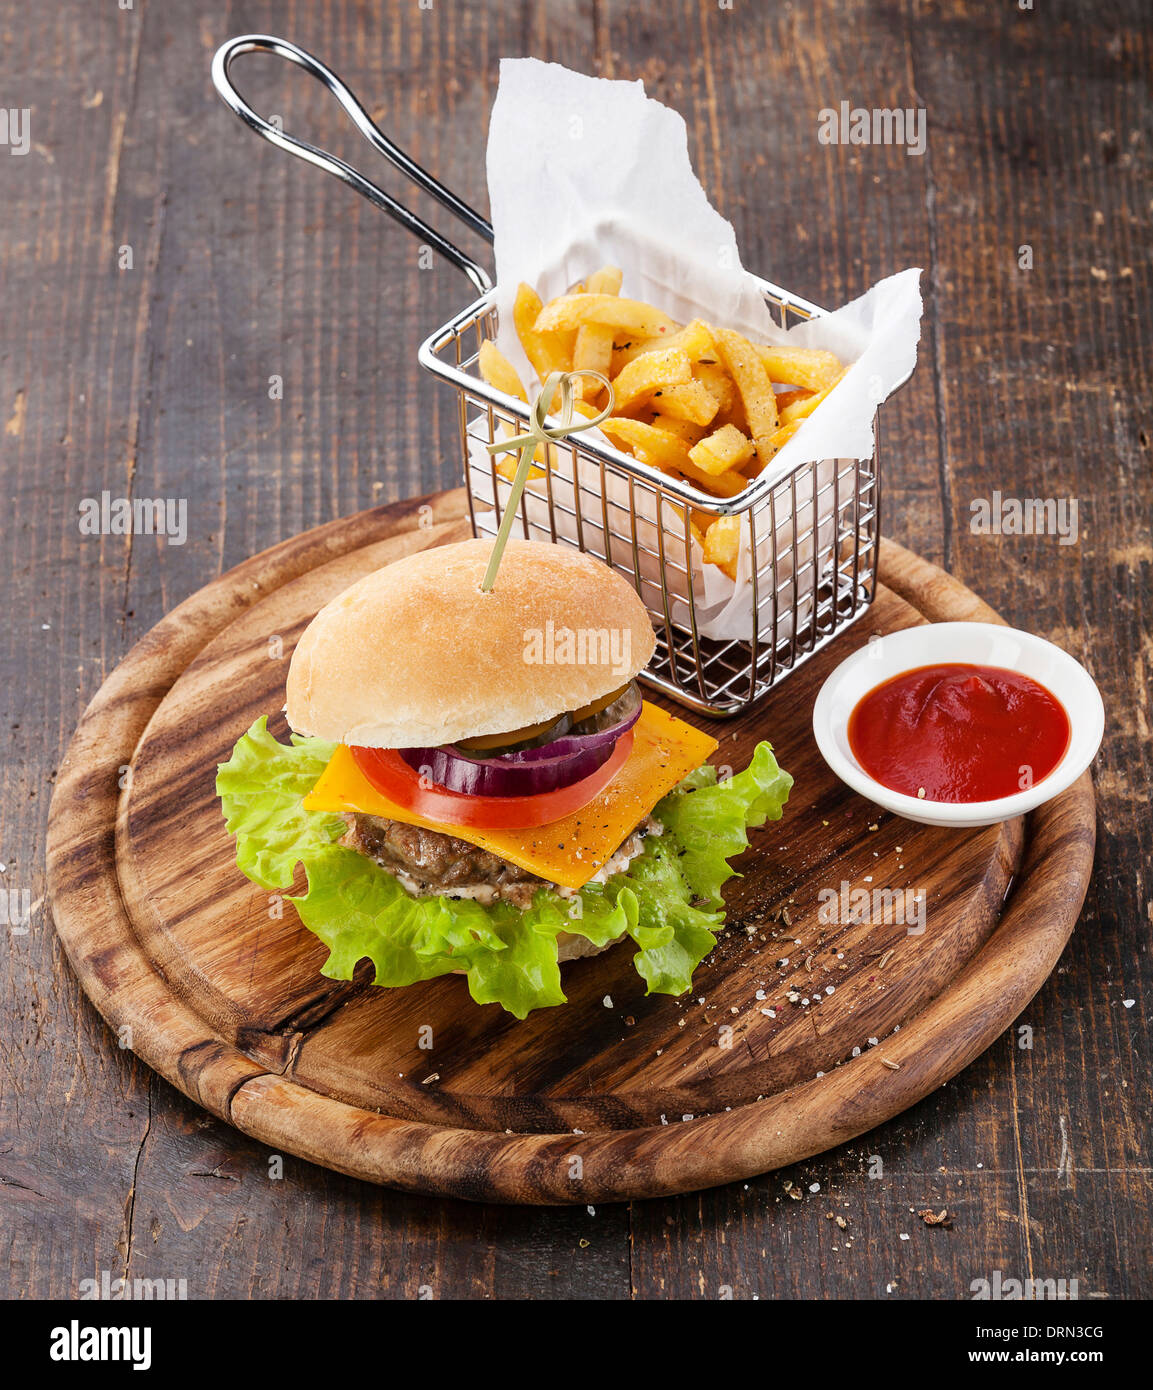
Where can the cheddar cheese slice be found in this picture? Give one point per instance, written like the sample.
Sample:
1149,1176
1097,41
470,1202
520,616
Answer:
567,851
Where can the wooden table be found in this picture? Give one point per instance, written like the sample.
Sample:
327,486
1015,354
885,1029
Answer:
147,372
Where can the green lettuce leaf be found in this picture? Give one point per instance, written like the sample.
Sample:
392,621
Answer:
667,901
710,818
260,788
359,915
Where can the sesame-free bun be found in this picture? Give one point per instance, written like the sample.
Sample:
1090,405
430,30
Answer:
415,655
570,947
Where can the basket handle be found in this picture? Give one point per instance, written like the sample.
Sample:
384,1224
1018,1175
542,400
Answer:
331,164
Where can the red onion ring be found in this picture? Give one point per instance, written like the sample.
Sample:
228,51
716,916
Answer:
505,776
570,743
527,772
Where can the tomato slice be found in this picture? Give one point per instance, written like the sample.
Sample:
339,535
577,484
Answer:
393,778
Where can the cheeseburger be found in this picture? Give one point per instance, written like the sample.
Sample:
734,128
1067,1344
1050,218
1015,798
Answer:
474,783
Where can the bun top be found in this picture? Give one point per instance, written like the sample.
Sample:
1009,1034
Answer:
415,655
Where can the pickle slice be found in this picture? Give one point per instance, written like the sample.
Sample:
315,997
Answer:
610,709
587,711
516,740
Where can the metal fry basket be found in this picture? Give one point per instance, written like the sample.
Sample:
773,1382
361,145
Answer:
810,534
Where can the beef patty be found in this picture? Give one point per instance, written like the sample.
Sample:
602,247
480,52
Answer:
439,863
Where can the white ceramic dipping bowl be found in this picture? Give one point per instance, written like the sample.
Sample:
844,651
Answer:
981,644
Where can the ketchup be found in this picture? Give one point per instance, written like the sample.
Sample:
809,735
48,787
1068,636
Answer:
957,732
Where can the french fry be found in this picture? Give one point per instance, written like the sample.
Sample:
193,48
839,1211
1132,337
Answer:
724,449
788,398
683,429
506,467
778,441
498,371
785,433
607,280
626,348
726,485
649,374
700,522
569,311
695,340
735,415
723,543
690,401
753,387
548,352
594,341
718,484
812,368
801,410
717,382
668,453
526,307
593,351
662,449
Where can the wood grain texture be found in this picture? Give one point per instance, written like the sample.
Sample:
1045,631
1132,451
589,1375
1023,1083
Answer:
646,1096
156,380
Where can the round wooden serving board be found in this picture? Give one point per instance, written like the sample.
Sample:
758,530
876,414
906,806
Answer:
220,986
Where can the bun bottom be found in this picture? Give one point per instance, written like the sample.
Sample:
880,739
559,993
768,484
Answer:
570,947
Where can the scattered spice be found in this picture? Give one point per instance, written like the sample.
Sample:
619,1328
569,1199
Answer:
936,1218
